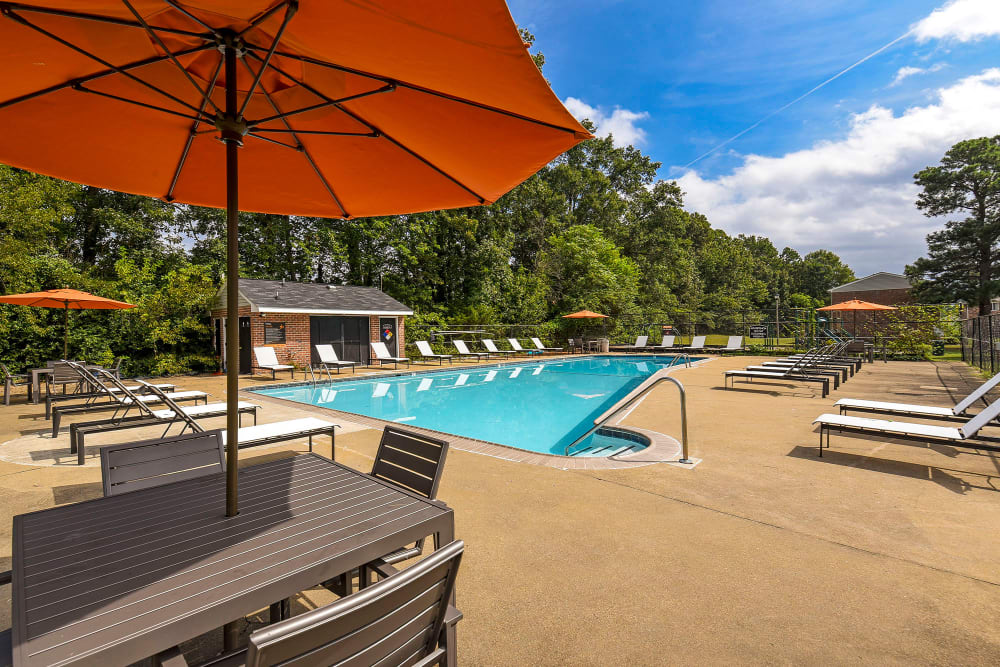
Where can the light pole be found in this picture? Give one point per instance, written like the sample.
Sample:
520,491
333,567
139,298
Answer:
777,321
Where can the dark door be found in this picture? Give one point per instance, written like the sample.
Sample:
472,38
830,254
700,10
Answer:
387,333
244,345
347,335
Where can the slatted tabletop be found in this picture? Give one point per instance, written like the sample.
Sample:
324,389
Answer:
113,580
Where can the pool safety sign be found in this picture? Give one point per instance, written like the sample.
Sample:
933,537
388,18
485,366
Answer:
758,331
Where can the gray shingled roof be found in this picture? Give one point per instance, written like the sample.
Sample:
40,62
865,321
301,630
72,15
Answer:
316,296
876,281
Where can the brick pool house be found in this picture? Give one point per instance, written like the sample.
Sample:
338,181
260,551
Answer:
293,317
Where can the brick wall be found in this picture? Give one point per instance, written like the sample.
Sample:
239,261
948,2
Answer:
376,333
886,297
297,348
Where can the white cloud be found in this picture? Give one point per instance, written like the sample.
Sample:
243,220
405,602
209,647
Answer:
961,20
906,72
855,195
621,123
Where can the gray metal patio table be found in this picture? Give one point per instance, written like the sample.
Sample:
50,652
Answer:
113,580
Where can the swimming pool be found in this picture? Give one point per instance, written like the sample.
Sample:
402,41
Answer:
540,406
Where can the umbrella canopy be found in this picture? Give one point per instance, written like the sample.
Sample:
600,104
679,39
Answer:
583,314
341,109
344,109
856,304
67,299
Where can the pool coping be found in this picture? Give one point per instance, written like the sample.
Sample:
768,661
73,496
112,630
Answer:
662,448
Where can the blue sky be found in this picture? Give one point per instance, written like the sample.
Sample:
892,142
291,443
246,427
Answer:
834,170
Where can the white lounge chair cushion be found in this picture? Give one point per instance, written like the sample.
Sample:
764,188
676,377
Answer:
289,428
776,369
118,390
206,409
896,407
888,426
153,398
758,374
277,367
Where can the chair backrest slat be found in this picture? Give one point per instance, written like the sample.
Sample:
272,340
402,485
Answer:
266,356
410,459
381,351
490,345
62,372
989,413
141,465
698,341
326,354
395,621
735,343
668,341
460,346
640,341
980,391
515,345
425,348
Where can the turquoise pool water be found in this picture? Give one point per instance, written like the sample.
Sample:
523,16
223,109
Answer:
537,406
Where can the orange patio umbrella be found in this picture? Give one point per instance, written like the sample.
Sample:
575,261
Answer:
583,314
67,299
856,305
335,109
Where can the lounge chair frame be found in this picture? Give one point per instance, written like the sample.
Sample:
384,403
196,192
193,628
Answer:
429,353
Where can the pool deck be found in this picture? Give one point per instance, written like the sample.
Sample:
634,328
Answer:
880,552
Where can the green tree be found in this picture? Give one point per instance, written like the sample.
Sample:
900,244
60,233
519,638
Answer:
963,259
583,269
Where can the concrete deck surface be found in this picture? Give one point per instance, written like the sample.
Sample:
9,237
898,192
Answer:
880,552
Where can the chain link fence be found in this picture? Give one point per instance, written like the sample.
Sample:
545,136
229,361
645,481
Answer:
980,338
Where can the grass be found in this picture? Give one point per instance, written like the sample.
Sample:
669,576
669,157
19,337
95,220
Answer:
951,353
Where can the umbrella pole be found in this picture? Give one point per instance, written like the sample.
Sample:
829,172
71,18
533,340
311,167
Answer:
233,140
66,331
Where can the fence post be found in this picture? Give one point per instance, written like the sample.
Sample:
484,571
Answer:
989,323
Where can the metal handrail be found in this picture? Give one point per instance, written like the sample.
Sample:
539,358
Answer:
647,384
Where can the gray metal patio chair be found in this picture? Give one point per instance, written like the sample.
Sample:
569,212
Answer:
63,375
11,380
403,620
140,465
411,461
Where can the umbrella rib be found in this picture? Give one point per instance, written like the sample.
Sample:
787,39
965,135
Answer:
260,19
321,105
297,149
187,75
420,89
290,10
191,136
79,87
192,17
93,17
23,21
258,130
378,131
99,75
305,151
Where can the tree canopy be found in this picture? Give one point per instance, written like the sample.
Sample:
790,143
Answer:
963,259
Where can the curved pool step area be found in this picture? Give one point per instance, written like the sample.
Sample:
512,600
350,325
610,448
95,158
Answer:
607,441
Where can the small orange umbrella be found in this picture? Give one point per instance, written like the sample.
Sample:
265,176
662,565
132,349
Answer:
67,299
583,314
856,305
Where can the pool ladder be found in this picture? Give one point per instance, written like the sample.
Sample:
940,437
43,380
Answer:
656,378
